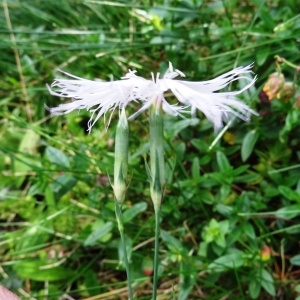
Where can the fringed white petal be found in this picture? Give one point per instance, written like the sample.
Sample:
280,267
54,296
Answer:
99,97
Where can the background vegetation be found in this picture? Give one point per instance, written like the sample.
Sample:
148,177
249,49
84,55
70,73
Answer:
231,214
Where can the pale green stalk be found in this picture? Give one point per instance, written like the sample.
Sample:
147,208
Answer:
120,174
157,168
119,217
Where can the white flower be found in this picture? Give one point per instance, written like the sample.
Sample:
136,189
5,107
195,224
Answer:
99,97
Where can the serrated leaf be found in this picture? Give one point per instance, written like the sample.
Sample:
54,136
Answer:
248,144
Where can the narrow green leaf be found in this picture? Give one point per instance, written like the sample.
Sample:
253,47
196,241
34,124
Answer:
188,278
248,144
288,212
63,184
133,211
223,162
98,233
27,150
196,169
249,231
172,243
176,127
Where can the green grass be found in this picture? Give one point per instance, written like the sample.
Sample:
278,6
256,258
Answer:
223,204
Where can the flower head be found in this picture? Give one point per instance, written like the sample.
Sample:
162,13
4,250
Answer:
99,97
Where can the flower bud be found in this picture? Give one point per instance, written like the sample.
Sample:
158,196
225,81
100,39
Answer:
157,163
265,253
287,91
273,85
147,266
121,158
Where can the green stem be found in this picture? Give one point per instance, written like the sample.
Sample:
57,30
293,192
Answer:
283,60
157,185
156,248
119,217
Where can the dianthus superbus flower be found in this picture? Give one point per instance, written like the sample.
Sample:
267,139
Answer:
100,97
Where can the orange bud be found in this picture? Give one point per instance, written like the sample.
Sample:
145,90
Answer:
265,253
147,266
273,85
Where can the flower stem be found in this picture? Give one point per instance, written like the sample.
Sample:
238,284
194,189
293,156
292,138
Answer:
119,186
156,248
157,184
119,217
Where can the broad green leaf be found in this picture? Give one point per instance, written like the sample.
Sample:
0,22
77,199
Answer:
267,282
41,270
229,261
133,211
248,144
254,288
98,233
295,260
57,157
